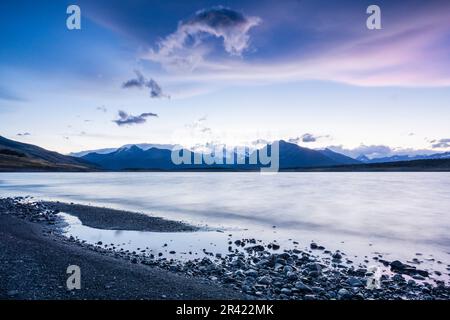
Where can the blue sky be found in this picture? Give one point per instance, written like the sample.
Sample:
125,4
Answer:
227,72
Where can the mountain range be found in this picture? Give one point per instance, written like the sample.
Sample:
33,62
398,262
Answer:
291,156
398,158
17,156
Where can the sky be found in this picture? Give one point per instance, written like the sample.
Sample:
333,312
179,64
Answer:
227,72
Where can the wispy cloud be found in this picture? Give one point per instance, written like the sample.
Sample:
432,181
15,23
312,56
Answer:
396,56
185,48
128,119
441,144
307,138
199,126
102,108
141,82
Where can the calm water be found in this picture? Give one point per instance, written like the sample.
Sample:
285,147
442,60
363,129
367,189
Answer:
395,214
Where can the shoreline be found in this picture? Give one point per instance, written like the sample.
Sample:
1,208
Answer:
257,270
34,258
114,219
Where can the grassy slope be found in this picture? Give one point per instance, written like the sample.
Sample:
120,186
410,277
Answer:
13,163
17,156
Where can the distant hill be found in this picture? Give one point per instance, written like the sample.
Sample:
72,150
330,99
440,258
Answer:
143,146
17,156
397,158
424,165
291,156
133,158
339,157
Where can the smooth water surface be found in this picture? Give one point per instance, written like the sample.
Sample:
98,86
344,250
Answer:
394,214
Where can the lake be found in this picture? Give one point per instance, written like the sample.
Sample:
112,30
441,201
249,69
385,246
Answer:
396,215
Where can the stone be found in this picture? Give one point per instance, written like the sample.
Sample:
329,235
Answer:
251,273
292,276
344,294
354,282
300,286
286,291
264,280
275,246
337,256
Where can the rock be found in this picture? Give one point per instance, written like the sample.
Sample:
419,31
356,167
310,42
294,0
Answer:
314,274
300,286
251,273
284,256
313,245
313,267
344,294
229,280
12,293
286,291
239,273
275,246
398,265
318,290
354,282
337,256
246,289
278,266
255,248
292,276
422,273
265,280
398,278
287,269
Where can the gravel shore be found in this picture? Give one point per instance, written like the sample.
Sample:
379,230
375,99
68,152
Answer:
252,269
34,260
111,219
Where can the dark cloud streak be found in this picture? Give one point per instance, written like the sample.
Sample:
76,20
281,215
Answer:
128,119
141,82
442,143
